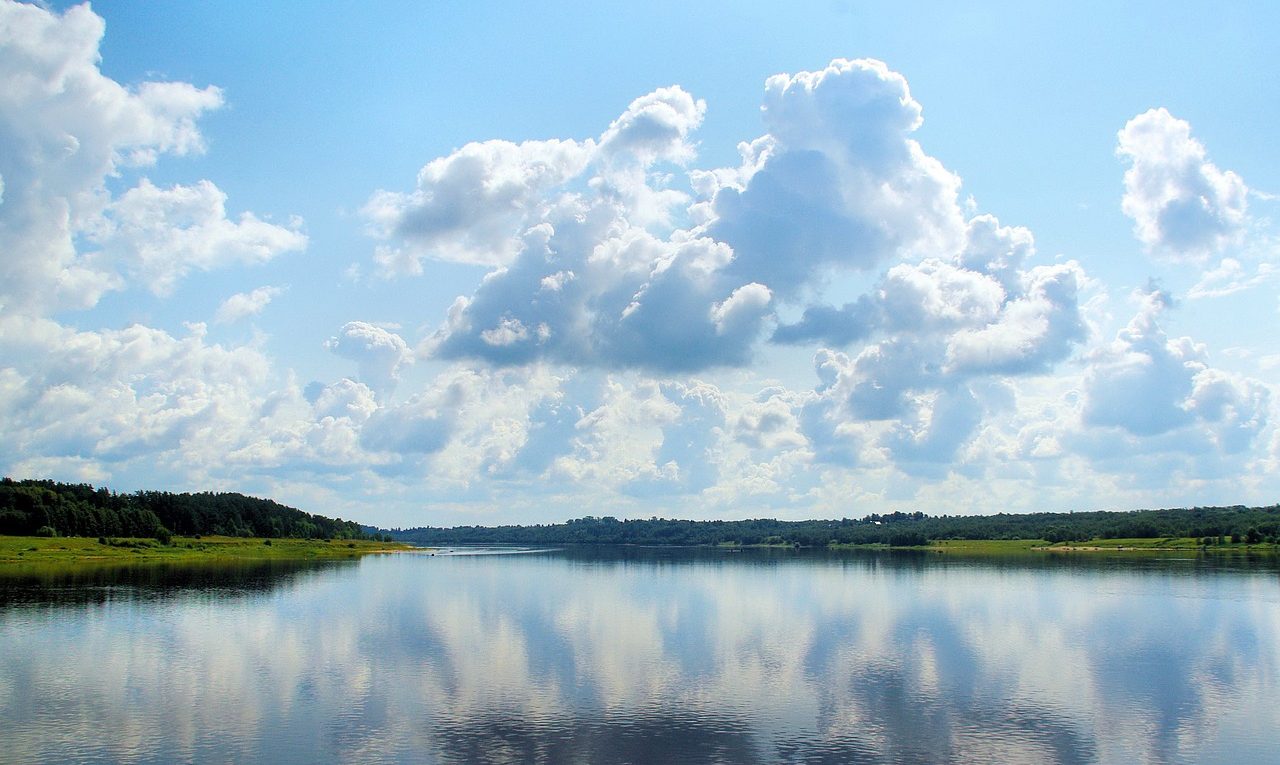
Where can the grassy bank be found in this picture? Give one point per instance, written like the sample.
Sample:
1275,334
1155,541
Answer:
180,549
1156,545
1027,546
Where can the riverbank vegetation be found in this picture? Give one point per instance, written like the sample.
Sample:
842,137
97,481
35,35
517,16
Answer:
108,524
77,550
1183,528
51,509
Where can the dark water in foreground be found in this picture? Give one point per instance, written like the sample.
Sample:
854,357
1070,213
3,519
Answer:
647,657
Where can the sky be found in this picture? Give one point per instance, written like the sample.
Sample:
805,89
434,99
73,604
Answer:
479,263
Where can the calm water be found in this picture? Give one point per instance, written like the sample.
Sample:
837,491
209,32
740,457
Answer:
647,657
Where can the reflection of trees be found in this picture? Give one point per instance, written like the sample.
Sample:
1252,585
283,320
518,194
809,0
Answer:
703,657
73,585
636,736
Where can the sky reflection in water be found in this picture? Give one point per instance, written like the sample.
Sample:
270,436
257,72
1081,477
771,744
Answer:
649,656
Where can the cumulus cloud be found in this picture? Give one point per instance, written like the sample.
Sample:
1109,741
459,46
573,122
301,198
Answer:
245,304
838,182
156,236
617,439
928,442
1234,408
1035,329
1142,379
616,270
836,326
380,354
930,331
768,421
472,205
422,425
833,437
996,316
654,127
110,396
686,461
631,300
64,130
1181,204
1149,384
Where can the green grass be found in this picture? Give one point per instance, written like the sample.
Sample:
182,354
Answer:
89,550
987,546
976,546
1093,545
1163,543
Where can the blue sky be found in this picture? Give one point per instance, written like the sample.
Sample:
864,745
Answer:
478,263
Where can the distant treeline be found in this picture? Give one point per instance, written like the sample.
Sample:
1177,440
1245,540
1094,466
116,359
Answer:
48,508
1220,524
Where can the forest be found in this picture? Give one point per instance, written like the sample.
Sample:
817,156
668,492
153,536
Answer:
1214,525
48,508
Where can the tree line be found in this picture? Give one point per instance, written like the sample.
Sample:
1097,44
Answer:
49,508
1213,525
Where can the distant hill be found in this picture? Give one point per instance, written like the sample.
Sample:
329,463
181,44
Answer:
1239,524
38,507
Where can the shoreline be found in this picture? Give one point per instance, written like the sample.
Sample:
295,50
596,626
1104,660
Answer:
22,551
18,550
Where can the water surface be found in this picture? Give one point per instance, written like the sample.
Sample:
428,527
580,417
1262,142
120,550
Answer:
647,656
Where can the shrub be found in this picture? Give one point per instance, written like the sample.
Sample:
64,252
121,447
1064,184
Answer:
46,531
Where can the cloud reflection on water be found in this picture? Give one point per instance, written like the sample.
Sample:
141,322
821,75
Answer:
675,657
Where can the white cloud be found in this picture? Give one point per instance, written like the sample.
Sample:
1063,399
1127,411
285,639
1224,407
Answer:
242,305
64,130
1148,384
654,127
379,353
926,443
634,301
508,332
1033,331
743,310
935,296
1181,204
1235,408
1142,379
768,421
838,166
837,184
687,460
473,205
939,329
157,236
617,269
115,395
616,440
1230,277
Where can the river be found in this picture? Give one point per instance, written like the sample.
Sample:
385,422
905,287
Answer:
647,656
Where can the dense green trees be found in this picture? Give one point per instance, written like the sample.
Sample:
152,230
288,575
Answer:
899,529
33,507
28,506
